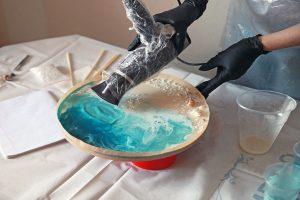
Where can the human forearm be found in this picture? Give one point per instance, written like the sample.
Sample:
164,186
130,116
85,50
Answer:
234,62
283,39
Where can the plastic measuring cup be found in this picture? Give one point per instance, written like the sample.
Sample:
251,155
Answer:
282,182
261,115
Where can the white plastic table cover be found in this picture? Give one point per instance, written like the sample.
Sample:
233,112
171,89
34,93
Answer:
61,171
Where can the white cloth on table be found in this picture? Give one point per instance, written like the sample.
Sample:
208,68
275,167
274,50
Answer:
247,177
40,51
240,186
28,122
52,172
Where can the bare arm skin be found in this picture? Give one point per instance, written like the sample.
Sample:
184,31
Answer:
289,37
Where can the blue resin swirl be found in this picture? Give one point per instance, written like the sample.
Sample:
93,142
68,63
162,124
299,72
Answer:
99,123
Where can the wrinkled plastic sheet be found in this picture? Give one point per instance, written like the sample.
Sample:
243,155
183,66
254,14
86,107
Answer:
278,70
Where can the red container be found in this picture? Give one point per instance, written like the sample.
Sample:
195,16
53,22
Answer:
158,164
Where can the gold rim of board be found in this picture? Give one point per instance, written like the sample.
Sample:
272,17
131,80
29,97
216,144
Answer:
133,156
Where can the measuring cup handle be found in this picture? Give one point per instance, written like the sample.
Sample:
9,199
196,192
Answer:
286,157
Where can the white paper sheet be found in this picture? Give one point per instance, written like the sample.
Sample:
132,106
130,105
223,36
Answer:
28,122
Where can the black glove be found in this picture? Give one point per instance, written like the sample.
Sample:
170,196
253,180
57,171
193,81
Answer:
231,63
180,18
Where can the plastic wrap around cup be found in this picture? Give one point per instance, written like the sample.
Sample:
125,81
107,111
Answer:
262,114
294,158
282,182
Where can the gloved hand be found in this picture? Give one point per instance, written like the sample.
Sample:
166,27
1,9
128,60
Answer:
180,18
231,63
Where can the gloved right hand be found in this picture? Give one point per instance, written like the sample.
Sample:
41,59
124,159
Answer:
180,18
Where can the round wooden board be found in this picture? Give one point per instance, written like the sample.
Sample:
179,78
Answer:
170,102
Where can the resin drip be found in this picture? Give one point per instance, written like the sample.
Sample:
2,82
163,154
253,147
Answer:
96,122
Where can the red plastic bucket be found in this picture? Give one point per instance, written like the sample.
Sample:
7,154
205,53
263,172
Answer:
158,164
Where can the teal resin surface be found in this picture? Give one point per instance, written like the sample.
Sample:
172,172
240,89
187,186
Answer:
99,123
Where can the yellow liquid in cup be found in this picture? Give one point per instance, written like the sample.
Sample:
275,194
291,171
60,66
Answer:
255,145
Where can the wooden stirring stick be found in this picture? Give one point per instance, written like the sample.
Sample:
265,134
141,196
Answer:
100,57
113,59
71,70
